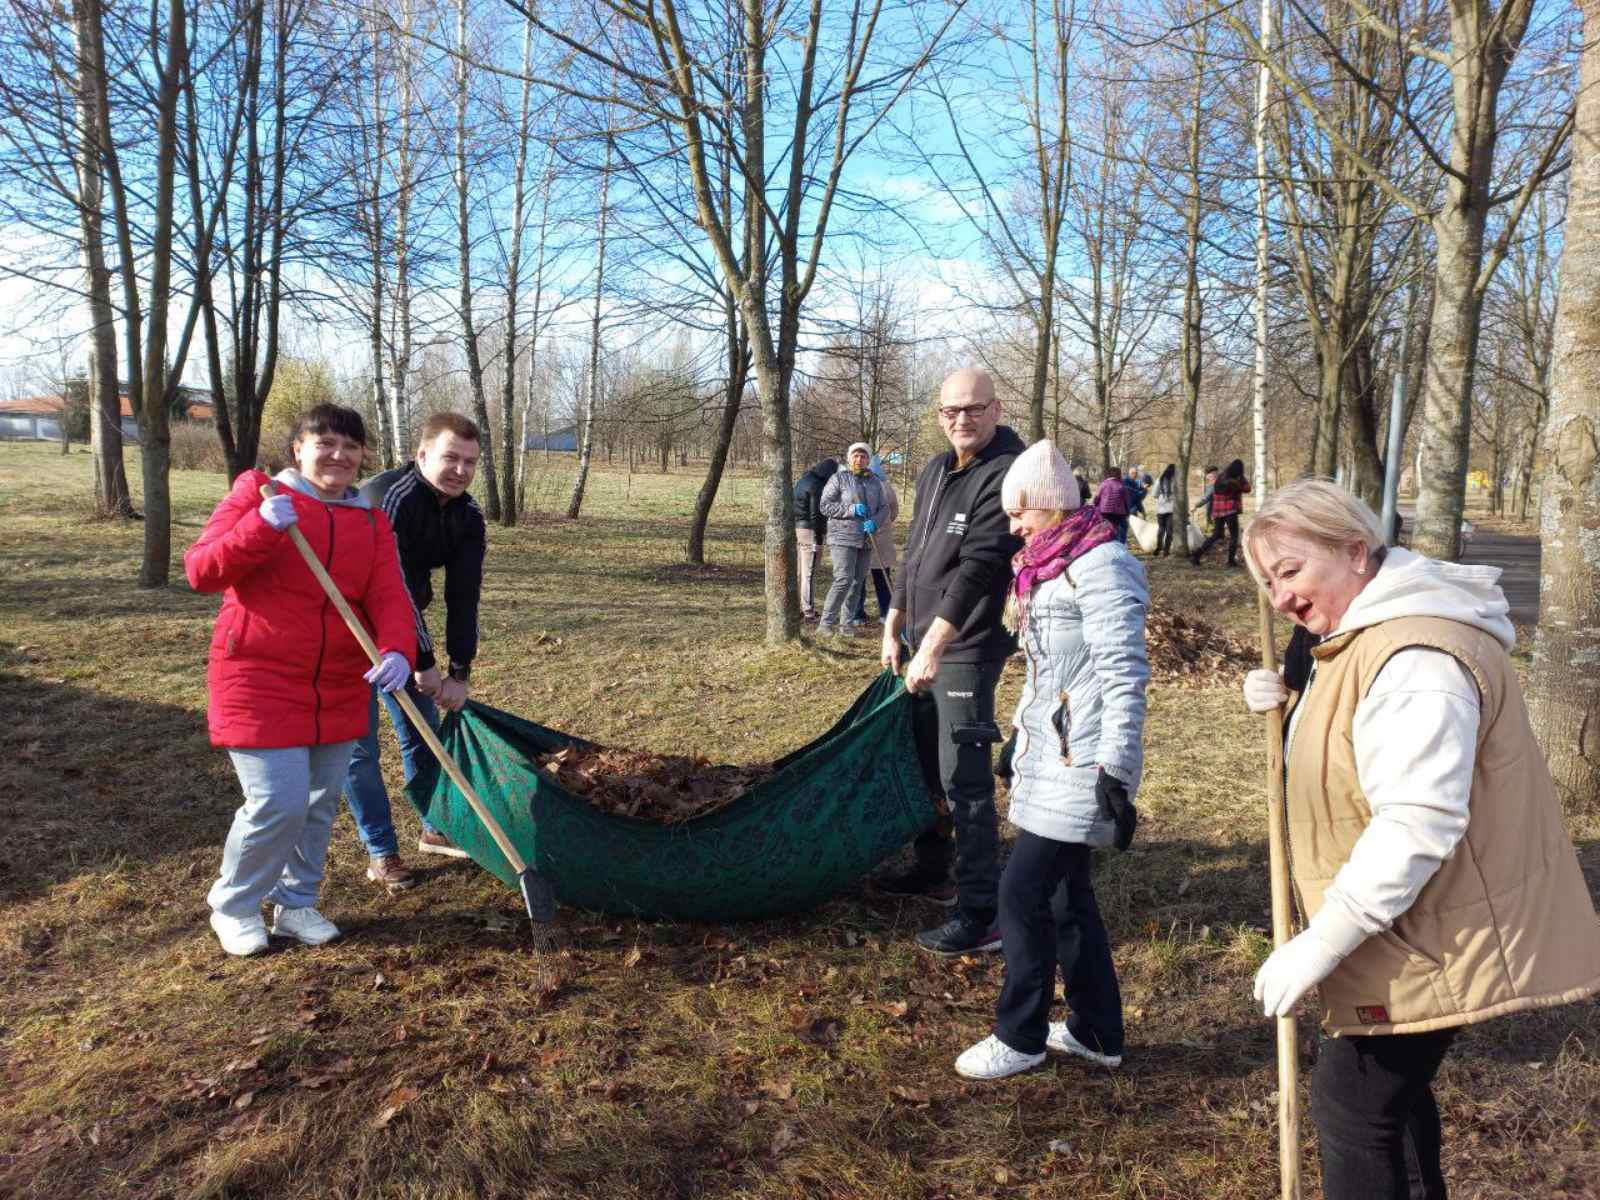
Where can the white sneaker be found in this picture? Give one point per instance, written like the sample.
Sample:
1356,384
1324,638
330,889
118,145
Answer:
240,936
303,925
1060,1038
993,1059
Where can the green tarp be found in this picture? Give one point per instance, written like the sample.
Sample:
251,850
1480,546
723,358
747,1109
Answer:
833,810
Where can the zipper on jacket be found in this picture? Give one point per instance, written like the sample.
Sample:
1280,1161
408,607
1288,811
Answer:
911,576
1296,902
322,644
1065,735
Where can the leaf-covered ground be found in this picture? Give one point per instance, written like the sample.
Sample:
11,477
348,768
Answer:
432,1052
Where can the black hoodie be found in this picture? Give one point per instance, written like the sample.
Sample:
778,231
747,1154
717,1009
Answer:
808,498
957,562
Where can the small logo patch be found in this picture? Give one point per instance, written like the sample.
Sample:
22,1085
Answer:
958,695
1372,1014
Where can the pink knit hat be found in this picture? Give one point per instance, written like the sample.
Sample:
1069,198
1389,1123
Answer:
1040,478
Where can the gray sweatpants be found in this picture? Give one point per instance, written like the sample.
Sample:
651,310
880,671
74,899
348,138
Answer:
278,844
850,564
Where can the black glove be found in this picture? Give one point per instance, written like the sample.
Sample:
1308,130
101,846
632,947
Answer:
1002,768
1112,795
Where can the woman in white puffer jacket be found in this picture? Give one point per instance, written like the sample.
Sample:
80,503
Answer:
1079,602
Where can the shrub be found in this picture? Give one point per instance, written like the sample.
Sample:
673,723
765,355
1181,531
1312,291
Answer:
196,447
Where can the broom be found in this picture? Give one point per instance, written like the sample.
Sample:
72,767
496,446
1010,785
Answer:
1278,858
537,895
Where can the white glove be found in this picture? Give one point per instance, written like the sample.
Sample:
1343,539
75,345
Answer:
1291,971
391,673
1264,691
278,511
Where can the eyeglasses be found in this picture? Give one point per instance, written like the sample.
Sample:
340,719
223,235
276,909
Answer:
956,411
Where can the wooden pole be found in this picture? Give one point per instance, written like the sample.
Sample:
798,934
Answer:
1282,931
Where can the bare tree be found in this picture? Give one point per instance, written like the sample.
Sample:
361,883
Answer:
1483,41
668,55
1564,687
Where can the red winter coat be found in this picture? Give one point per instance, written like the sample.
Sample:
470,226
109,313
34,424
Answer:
284,670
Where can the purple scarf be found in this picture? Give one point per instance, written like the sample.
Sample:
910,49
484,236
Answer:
1051,552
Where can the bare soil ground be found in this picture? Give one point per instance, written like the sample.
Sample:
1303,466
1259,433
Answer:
432,1052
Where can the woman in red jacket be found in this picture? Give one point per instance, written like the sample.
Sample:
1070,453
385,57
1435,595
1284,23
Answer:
287,681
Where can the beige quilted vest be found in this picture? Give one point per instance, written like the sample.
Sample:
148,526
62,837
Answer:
1507,923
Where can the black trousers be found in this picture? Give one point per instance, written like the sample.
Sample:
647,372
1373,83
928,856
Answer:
1229,525
1049,919
1372,1102
1164,533
955,732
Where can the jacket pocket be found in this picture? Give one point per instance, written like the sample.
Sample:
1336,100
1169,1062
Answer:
1061,719
233,644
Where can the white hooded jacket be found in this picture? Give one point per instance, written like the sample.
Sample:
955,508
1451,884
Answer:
1415,735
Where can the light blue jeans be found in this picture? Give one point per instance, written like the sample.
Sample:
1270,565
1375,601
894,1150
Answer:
363,787
278,844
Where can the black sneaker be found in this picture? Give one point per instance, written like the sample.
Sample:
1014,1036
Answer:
917,885
959,936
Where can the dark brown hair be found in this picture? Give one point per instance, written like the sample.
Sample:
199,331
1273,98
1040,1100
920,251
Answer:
329,418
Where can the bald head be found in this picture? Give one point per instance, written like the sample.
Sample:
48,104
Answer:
969,385
968,412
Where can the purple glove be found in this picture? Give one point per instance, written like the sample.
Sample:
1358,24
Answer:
391,673
278,511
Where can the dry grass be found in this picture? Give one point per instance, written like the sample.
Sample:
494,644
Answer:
432,1053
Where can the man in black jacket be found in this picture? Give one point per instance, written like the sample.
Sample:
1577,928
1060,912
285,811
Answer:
436,524
947,603
811,529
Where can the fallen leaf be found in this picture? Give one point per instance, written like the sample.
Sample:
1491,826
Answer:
1060,1146
1001,1175
785,1139
397,1101
822,1031
243,1099
781,1088
910,1095
631,958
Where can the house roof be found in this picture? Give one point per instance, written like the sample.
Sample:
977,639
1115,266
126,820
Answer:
32,406
50,406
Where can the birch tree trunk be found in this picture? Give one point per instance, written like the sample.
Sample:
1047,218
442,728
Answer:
511,447
1258,390
1564,687
105,420
592,397
469,329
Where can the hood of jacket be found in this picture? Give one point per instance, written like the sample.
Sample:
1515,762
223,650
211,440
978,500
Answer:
292,478
825,470
1412,585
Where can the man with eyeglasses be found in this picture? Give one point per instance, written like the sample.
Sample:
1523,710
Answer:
947,603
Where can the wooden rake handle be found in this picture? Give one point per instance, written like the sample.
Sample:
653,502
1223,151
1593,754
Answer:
1282,926
424,728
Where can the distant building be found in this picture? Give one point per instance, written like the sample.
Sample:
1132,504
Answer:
565,438
38,418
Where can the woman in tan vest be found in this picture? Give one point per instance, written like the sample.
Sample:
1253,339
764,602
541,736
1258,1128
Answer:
1430,865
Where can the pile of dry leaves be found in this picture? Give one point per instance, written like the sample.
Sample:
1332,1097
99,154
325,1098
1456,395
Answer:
664,788
1183,648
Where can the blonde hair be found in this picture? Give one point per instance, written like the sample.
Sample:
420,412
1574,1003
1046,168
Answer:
1318,509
